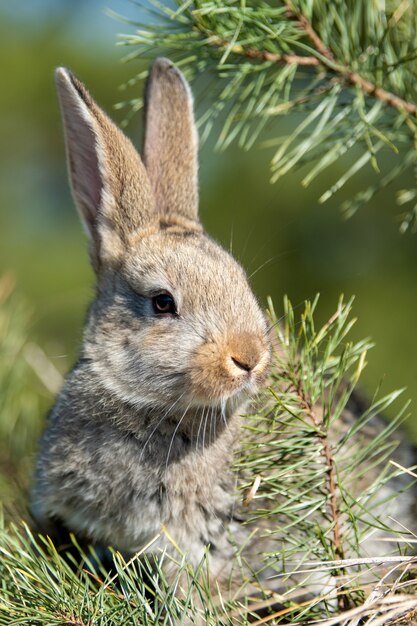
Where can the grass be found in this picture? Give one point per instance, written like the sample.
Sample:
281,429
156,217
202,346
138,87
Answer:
315,485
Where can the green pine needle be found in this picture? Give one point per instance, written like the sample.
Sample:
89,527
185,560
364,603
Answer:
345,70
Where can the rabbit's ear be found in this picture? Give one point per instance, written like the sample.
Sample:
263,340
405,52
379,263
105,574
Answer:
171,142
108,179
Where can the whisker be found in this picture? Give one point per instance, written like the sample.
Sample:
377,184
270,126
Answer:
247,240
173,436
223,411
205,427
199,428
159,422
264,264
211,440
231,240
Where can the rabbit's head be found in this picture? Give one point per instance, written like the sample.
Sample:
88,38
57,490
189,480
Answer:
174,322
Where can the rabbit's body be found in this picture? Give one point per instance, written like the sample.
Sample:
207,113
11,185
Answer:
143,434
118,487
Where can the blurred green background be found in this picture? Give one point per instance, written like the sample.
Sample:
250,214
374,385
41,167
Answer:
287,242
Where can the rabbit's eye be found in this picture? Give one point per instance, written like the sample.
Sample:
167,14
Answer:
164,303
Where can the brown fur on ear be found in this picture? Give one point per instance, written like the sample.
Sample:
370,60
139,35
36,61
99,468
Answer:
171,142
109,182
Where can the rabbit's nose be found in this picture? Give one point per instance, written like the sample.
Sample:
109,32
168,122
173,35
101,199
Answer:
245,352
242,366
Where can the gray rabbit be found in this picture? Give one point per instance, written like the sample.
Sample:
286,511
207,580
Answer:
143,432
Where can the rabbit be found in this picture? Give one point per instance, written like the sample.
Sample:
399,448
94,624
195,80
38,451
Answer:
143,433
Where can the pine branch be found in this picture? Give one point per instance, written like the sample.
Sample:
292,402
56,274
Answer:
325,59
305,495
330,470
264,55
348,68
